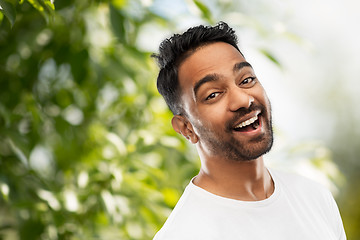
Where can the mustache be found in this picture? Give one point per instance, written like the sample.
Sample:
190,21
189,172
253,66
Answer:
242,112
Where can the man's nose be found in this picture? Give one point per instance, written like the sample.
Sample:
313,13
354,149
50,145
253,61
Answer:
239,98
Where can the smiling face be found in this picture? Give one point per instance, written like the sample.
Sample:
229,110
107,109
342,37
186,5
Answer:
227,112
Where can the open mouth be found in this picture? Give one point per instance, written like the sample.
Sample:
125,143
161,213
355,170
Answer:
248,125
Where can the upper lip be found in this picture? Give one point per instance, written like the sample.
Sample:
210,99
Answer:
246,118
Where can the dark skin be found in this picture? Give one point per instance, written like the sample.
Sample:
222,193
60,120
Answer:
220,94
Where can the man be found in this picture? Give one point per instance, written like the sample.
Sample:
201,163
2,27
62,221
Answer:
220,106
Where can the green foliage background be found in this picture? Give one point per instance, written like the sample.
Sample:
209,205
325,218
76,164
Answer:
91,114
86,148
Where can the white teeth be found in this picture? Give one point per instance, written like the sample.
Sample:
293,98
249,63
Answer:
247,122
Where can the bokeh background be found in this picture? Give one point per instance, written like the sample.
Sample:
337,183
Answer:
86,146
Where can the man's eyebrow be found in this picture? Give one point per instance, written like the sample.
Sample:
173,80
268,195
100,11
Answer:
240,65
208,78
214,77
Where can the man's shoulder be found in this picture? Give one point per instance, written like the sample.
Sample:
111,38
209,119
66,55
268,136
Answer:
187,217
292,178
301,185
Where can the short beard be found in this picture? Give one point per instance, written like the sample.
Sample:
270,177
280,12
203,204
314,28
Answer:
234,150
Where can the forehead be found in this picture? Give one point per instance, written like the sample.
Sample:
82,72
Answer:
213,58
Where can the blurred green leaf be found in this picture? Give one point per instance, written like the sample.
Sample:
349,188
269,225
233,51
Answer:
205,11
270,56
38,4
8,9
62,4
1,17
45,7
118,23
119,3
49,4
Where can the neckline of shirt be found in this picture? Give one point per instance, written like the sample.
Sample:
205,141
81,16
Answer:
234,202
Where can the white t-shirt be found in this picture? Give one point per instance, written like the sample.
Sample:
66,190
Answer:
298,209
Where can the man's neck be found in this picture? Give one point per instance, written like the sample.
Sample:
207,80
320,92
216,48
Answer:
241,180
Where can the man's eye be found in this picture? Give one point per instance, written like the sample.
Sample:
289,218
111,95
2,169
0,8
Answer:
250,81
212,95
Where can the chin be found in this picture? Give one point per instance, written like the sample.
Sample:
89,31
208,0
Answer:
257,148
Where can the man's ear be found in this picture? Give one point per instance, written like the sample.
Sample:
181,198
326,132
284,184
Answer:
182,126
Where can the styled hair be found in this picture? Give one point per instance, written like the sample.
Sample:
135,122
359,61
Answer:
174,50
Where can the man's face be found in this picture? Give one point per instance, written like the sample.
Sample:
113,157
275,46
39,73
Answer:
225,103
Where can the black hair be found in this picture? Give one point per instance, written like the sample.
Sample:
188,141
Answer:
174,50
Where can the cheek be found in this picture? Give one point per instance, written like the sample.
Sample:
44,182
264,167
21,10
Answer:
262,96
212,118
